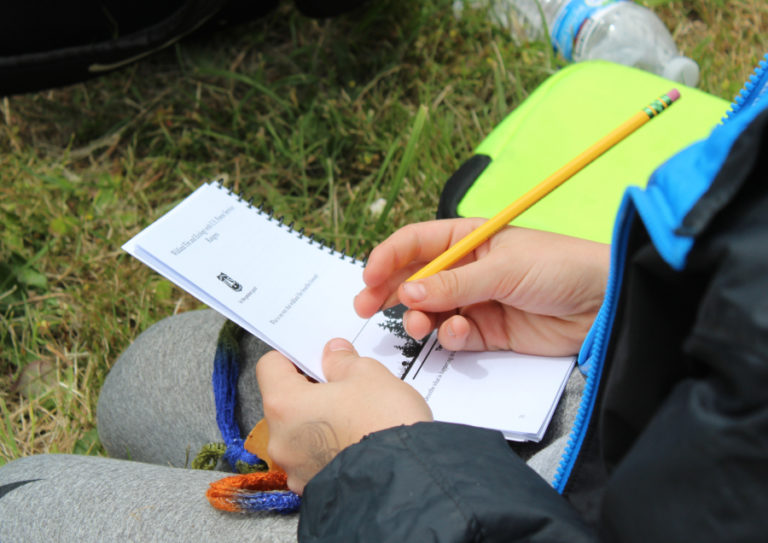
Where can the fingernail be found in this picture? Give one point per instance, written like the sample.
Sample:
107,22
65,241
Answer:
449,329
339,344
415,291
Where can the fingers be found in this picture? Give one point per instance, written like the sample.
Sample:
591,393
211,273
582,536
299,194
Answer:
309,426
375,398
275,374
418,324
338,357
371,300
464,333
419,243
401,255
454,334
480,281
341,362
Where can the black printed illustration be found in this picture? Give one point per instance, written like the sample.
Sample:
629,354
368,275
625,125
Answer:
410,348
231,283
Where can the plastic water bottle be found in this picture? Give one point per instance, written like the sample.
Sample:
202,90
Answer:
616,30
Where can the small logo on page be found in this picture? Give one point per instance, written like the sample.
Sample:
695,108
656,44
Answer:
231,283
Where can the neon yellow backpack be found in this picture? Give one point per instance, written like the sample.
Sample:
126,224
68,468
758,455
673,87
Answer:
568,112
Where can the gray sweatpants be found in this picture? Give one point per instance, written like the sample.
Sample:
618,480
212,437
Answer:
155,412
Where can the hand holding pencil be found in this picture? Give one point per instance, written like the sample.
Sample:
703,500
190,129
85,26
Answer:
530,291
525,290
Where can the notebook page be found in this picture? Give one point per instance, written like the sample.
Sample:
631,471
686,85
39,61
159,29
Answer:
501,390
294,294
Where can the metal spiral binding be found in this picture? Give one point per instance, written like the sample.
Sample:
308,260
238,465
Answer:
290,227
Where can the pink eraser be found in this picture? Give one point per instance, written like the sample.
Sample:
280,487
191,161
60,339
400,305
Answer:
674,94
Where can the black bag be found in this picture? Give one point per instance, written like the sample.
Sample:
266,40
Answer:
49,43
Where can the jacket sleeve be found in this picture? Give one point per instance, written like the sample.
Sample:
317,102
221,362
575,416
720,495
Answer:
698,469
434,482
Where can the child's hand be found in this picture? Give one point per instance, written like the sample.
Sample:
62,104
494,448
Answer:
525,290
309,423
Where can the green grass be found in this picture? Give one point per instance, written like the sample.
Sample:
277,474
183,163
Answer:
317,119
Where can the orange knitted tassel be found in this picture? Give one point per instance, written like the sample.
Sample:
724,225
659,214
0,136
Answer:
259,491
222,494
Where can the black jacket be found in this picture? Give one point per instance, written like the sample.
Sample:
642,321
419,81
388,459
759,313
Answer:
674,441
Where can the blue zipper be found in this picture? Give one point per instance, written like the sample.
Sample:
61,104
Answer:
754,89
593,351
592,355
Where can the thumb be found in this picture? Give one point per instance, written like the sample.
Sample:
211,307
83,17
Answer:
276,373
339,358
472,283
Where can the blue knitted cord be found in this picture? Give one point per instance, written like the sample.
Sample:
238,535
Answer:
279,501
226,369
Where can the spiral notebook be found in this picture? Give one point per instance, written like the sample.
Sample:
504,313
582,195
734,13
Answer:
295,293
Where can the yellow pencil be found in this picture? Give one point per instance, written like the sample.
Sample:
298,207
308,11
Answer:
475,238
